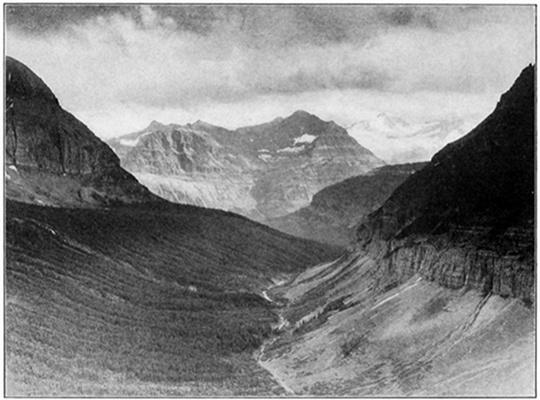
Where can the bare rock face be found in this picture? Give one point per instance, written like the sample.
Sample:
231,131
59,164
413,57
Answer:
260,171
467,218
52,157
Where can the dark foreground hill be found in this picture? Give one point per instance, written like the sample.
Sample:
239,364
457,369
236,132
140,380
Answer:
438,296
335,211
111,291
477,193
51,157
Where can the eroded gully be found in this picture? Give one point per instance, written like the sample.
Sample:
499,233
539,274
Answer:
282,323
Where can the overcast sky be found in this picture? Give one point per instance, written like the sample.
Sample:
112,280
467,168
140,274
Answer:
119,67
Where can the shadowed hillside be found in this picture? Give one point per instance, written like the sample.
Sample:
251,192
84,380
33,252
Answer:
336,210
51,157
136,296
115,292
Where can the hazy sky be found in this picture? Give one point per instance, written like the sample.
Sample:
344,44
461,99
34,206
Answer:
119,67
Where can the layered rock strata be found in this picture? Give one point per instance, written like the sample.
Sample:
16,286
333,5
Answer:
52,157
467,218
260,171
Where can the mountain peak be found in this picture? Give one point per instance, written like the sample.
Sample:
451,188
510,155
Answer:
302,114
386,121
155,125
202,124
522,85
301,117
64,162
491,171
21,81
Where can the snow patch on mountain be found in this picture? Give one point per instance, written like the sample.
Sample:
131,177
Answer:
399,140
291,149
130,143
305,138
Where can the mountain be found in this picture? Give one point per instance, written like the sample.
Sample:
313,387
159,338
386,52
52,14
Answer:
122,145
335,211
51,157
260,171
398,140
132,295
484,180
125,294
437,298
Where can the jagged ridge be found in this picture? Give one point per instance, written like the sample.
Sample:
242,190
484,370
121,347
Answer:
260,171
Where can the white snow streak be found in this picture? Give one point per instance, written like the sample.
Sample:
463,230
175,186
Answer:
130,143
305,138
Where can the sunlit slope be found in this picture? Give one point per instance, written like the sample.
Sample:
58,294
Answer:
139,300
438,296
351,332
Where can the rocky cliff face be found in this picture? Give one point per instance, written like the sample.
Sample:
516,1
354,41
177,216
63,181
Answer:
436,299
334,212
53,158
467,218
260,171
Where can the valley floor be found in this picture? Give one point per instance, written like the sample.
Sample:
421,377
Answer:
135,302
141,301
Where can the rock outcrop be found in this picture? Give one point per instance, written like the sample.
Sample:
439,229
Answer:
337,209
437,297
261,171
52,157
467,218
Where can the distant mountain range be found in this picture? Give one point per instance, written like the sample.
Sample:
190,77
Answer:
399,140
261,171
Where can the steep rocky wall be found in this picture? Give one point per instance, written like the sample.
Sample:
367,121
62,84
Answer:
40,134
457,265
467,218
47,147
283,162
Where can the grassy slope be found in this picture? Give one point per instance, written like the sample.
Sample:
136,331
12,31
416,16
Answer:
398,319
139,301
352,334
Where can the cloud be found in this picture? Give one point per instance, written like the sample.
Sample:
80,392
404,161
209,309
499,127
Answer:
187,59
